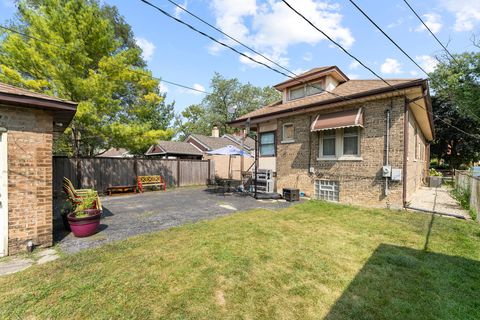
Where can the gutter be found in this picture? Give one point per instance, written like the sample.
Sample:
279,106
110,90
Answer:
413,83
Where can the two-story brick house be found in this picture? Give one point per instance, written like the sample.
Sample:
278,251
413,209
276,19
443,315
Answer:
333,137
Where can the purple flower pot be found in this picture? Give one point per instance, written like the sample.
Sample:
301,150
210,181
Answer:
85,226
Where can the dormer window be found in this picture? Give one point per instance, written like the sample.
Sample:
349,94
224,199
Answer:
305,90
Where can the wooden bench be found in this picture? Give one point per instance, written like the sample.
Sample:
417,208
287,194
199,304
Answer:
150,181
112,189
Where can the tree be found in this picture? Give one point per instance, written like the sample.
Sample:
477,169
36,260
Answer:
450,144
87,54
457,81
225,93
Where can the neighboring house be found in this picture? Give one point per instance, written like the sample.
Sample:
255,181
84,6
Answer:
29,123
333,146
225,166
115,153
174,150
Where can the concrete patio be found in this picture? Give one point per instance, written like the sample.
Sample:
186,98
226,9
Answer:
128,215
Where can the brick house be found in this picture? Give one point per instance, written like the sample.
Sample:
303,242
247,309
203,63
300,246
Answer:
364,143
29,122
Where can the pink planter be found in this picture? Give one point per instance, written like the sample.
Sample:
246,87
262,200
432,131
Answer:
85,226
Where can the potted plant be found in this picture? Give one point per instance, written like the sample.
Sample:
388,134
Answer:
435,178
86,217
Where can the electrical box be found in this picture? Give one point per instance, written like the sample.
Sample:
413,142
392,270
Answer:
312,170
386,171
396,174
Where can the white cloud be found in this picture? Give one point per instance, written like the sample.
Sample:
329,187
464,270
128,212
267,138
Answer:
353,76
413,72
307,56
391,66
198,87
396,23
178,11
467,13
271,27
354,65
283,61
9,3
147,47
163,87
433,21
428,63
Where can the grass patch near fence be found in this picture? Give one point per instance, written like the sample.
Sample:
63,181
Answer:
463,198
311,261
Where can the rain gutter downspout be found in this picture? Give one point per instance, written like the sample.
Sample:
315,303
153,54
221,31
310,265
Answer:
387,143
405,151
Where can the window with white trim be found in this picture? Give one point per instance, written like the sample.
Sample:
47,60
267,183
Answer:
343,144
288,132
305,90
267,144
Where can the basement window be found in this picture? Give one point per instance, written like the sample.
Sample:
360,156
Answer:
327,190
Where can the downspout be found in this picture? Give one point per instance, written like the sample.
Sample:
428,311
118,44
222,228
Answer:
405,151
387,143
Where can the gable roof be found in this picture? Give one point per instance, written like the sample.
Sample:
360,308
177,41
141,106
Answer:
115,153
173,147
313,74
63,110
248,144
351,90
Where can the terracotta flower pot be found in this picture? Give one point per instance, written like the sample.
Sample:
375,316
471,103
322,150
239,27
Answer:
85,226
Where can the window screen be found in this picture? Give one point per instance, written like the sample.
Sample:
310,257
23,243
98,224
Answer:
297,93
288,131
328,143
350,141
327,190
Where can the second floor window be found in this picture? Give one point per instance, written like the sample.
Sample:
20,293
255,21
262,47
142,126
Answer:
306,90
267,144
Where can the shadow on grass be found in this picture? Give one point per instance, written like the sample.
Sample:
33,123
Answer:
403,283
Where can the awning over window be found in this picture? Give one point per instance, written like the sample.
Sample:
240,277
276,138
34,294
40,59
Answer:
336,120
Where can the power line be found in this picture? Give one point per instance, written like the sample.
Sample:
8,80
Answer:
426,26
374,73
230,37
132,70
388,37
236,51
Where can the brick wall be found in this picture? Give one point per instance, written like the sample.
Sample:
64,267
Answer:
29,176
360,182
416,160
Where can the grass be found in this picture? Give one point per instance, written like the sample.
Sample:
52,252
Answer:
311,261
463,198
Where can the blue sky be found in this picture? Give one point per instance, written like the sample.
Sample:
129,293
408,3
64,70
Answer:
177,54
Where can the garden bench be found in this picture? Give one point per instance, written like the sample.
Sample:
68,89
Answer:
150,181
113,189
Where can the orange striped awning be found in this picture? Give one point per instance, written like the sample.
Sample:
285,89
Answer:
340,119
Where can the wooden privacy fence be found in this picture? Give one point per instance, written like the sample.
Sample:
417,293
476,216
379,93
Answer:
470,184
101,173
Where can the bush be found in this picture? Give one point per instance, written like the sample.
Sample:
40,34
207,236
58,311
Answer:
435,173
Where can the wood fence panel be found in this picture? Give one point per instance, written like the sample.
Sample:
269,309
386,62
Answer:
165,167
193,172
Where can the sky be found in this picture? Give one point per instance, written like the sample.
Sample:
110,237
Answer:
178,54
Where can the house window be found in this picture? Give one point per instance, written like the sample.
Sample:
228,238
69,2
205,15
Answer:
350,141
306,90
327,190
267,144
328,142
342,144
288,132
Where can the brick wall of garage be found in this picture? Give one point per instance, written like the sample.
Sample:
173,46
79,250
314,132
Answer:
29,176
360,182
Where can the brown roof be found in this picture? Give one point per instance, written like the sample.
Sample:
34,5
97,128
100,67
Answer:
173,147
248,144
351,89
312,74
63,110
339,119
212,143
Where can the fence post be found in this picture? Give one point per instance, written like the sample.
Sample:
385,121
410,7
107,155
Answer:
209,173
79,173
178,172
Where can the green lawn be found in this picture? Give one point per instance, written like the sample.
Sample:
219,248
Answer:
311,261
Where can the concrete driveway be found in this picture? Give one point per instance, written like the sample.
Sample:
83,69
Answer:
129,215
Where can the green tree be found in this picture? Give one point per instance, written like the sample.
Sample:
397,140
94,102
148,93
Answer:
90,57
450,144
457,81
225,94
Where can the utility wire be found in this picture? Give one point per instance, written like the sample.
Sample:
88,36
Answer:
429,30
388,37
230,37
236,51
476,136
132,70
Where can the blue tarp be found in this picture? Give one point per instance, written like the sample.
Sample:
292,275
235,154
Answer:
230,151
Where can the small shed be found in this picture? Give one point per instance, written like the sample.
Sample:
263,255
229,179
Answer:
29,123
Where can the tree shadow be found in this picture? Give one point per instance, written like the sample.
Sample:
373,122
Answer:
403,283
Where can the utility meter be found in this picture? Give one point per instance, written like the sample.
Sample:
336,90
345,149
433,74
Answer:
386,171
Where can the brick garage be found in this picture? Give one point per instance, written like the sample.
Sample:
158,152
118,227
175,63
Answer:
29,123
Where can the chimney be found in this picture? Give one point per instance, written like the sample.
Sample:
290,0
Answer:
215,132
